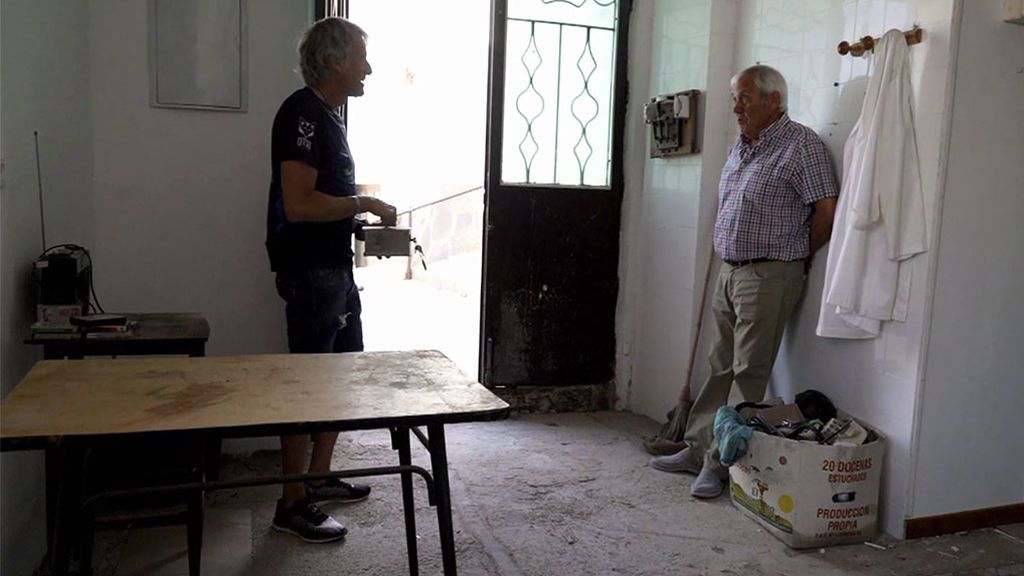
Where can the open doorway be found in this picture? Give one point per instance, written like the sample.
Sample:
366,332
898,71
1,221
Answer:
418,138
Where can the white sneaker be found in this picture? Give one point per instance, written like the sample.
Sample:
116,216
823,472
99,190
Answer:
678,462
707,485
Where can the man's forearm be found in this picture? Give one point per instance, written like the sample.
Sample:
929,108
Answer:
821,223
321,207
820,234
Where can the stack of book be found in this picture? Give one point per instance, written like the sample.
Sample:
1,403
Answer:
109,330
104,325
54,330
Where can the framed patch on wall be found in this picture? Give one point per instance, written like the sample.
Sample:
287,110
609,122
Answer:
198,54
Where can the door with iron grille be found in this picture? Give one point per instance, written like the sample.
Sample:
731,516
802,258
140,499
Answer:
556,107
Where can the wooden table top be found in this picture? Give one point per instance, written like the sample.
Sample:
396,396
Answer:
242,395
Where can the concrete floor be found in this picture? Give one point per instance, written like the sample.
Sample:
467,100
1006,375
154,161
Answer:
553,494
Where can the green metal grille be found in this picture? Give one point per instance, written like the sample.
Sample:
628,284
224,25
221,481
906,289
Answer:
540,128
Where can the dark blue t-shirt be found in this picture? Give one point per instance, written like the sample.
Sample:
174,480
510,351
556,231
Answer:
305,129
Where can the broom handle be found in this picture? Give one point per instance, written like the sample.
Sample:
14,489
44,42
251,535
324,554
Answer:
685,395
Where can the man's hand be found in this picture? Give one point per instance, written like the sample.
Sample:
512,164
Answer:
387,213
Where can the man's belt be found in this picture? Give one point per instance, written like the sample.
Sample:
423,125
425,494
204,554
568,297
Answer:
738,263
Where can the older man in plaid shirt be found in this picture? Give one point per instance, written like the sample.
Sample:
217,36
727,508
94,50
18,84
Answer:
777,198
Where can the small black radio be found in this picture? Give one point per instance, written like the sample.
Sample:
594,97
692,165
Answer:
63,277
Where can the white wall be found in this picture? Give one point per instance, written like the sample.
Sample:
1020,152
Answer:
181,195
874,380
970,439
45,69
171,203
670,203
659,227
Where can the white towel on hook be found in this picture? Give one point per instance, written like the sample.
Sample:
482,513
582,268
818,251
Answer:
880,220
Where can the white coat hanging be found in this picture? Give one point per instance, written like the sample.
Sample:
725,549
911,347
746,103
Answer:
880,220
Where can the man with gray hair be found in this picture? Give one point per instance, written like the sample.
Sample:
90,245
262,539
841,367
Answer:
776,201
310,221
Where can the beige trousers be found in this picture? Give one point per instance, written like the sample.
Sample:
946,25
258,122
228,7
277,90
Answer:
751,306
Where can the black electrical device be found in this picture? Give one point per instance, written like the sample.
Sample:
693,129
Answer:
64,276
62,273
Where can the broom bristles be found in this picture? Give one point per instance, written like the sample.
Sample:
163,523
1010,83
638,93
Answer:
669,438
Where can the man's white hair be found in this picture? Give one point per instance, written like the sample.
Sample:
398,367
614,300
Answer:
329,41
767,80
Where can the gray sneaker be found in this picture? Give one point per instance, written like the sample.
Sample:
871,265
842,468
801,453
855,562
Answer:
307,521
678,462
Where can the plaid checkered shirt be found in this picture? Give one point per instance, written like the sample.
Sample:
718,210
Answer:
767,191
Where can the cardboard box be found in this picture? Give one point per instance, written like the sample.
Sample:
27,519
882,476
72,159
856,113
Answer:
808,494
784,413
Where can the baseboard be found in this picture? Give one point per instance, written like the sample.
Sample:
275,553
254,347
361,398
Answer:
959,521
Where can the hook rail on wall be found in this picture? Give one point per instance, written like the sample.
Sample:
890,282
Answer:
866,43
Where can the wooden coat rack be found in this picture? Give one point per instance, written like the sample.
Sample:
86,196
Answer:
868,43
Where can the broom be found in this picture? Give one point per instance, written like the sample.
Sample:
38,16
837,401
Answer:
669,438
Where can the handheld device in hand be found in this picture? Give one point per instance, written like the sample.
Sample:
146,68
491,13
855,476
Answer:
386,241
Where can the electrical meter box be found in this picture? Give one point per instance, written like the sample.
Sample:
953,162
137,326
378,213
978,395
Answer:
673,121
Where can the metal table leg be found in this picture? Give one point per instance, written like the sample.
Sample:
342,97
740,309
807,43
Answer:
54,462
401,440
68,506
196,507
86,539
442,494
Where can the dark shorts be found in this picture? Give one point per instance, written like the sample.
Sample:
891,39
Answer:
323,311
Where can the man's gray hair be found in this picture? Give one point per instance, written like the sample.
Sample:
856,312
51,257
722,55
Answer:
767,80
329,41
